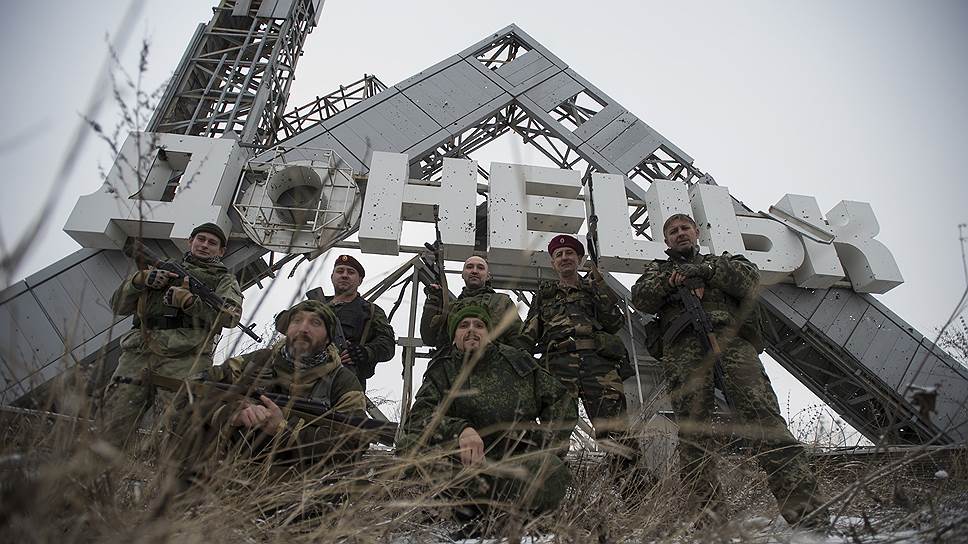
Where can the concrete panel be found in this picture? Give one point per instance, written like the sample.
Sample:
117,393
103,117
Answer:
19,359
267,8
599,121
94,309
638,152
23,320
56,268
328,141
527,71
13,291
873,341
453,93
122,265
779,306
898,361
903,325
282,9
596,159
637,139
428,72
553,91
63,313
241,8
479,114
611,131
102,275
804,301
838,314
393,126
536,46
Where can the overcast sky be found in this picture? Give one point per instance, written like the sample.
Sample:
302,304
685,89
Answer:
841,100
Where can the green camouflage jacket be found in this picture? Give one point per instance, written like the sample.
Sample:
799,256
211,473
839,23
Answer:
199,323
329,382
732,287
514,404
559,312
433,324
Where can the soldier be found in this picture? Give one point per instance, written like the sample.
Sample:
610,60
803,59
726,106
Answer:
477,290
727,286
573,321
306,366
174,333
369,336
484,399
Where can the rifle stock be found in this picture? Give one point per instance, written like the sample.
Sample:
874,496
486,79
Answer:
312,412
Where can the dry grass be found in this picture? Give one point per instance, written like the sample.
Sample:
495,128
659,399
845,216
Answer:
61,483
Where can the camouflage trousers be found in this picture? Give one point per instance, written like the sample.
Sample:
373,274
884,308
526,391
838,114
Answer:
756,420
126,405
596,382
532,483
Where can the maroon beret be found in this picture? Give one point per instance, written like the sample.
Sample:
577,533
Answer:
349,260
563,240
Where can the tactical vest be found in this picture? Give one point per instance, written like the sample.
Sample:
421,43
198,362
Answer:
159,316
355,316
724,309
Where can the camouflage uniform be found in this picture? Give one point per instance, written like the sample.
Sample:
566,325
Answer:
366,325
302,442
574,327
502,397
433,324
729,299
172,346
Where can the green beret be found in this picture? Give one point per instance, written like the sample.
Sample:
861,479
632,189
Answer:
314,306
212,229
471,310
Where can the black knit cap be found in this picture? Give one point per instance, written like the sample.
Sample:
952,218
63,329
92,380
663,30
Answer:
211,228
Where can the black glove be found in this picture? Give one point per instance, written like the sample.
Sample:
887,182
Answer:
434,295
357,354
702,271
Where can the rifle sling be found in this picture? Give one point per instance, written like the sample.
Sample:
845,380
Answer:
676,328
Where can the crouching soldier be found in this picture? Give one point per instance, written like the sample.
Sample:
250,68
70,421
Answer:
305,367
508,418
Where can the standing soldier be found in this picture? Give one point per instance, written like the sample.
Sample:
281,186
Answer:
573,321
368,334
477,291
727,287
174,332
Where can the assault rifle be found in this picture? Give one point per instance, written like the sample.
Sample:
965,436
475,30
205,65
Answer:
317,413
143,256
703,328
438,249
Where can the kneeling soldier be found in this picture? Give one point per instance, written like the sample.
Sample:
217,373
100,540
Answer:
508,417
